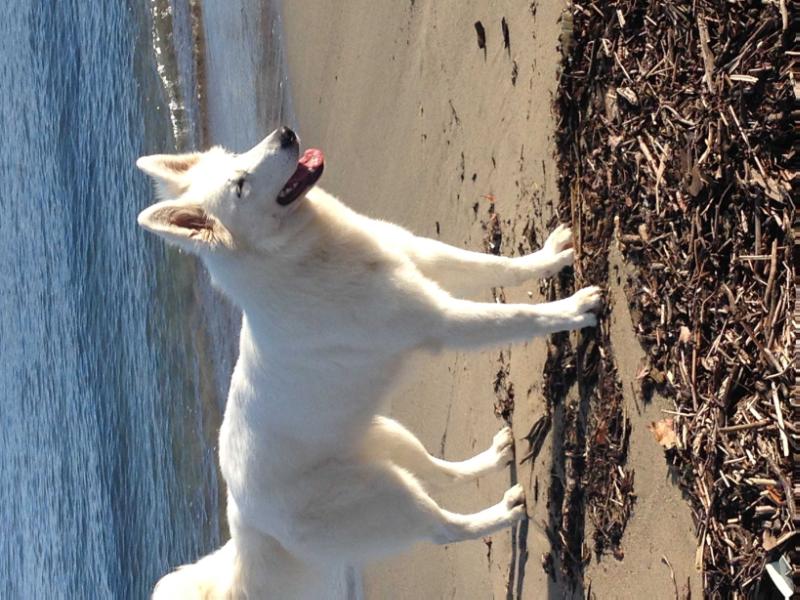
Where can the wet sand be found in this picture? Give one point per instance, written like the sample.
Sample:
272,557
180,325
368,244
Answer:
422,126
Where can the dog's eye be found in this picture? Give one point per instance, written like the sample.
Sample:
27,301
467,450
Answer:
239,185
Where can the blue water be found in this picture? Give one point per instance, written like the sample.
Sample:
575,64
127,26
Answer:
109,402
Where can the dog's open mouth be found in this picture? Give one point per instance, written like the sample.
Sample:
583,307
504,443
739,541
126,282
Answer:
309,169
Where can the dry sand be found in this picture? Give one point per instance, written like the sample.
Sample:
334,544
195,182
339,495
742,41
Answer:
422,127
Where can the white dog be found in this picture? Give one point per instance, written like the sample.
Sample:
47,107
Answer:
333,302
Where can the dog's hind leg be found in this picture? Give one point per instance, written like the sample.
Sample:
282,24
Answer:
372,510
386,438
463,272
265,569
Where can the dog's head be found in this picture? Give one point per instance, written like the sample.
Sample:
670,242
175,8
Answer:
218,201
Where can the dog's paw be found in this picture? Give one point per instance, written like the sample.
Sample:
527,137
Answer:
558,250
587,319
518,513
503,446
587,300
514,501
560,239
514,497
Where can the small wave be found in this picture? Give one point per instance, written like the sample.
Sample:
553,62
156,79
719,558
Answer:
179,49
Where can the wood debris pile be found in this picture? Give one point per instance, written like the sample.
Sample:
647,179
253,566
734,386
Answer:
676,144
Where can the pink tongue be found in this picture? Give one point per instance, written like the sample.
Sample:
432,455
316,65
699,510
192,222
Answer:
311,159
309,169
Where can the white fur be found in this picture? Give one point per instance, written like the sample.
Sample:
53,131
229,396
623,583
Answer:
333,303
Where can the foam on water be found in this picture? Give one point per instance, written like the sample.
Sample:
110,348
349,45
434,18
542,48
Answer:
178,50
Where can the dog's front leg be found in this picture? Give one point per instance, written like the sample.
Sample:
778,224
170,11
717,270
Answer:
466,324
463,272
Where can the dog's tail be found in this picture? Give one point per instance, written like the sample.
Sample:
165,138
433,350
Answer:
213,577
252,566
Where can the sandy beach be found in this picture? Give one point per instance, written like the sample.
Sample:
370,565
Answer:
426,122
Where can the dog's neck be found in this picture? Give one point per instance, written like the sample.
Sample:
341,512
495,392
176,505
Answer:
284,288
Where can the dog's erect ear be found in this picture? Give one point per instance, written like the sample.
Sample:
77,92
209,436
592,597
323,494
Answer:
186,225
169,172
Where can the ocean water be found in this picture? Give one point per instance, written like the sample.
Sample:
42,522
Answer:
115,353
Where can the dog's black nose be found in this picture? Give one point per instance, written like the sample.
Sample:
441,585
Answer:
288,137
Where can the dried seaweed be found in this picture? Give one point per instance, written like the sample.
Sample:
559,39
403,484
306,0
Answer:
676,143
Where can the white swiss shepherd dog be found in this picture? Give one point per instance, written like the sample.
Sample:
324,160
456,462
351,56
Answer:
333,302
